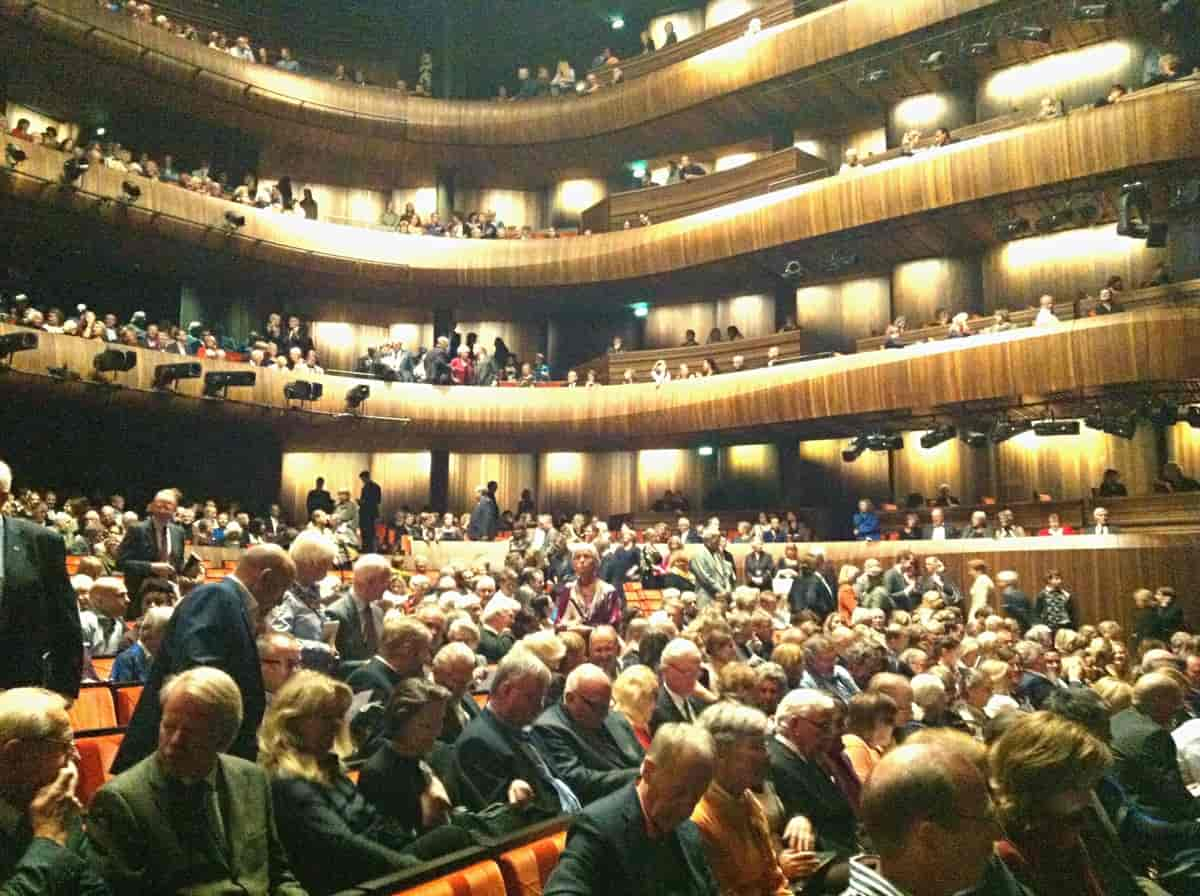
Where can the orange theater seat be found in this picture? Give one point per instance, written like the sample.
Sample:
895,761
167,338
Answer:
526,868
480,879
94,708
480,700
95,756
126,698
103,666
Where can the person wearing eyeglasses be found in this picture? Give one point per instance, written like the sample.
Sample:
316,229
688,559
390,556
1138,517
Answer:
279,657
40,835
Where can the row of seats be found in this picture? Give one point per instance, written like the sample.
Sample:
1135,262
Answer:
103,705
522,871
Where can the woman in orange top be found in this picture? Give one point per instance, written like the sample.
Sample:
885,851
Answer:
847,597
870,727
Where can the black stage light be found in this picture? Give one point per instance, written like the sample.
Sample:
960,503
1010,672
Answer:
1056,427
357,395
980,48
937,435
1091,12
885,441
1164,414
303,390
235,220
794,270
1123,427
1037,34
1193,416
131,190
11,343
165,375
73,169
1003,430
218,382
14,155
114,360
974,436
854,449
1012,228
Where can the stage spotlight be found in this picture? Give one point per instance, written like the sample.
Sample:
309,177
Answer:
303,390
874,76
1134,201
1003,430
11,343
235,220
218,382
165,375
357,395
973,436
14,155
854,449
73,169
1036,34
1193,416
1012,228
1091,12
1123,427
114,360
131,191
980,48
705,450
937,435
1056,427
936,61
62,374
885,441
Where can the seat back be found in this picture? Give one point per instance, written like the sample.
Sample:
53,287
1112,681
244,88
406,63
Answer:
527,868
103,666
480,879
96,753
94,708
126,698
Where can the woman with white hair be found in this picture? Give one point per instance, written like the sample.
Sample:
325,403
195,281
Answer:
301,613
587,600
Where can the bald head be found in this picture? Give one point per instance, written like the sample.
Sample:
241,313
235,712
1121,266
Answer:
899,689
1159,696
587,695
266,570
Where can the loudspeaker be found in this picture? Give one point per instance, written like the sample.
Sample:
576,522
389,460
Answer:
1157,237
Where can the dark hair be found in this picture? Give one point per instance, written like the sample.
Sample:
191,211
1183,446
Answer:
1082,706
650,648
410,696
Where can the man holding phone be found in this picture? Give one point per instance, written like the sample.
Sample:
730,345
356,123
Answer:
39,814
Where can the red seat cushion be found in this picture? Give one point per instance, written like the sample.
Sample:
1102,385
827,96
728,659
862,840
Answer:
96,754
527,868
94,708
480,879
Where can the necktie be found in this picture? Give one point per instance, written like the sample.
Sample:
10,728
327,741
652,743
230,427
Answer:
369,633
566,797
164,549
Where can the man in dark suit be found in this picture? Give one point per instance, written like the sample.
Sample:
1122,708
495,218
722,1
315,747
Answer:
679,670
1100,524
810,591
454,669
1146,756
759,566
1035,685
368,510
358,613
403,653
935,579
484,518
595,751
1014,603
41,642
495,760
640,840
41,841
804,731
189,819
938,529
318,498
900,580
153,547
496,618
437,363
215,625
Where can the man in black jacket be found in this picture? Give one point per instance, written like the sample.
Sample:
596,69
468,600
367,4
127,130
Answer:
595,751
484,518
215,625
1146,755
403,652
368,510
437,363
1014,603
900,580
640,840
759,566
151,548
40,638
679,669
454,669
810,591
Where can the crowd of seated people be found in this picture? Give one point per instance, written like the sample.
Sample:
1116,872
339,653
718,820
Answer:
804,695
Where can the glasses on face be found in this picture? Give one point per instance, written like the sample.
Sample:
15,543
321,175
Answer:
290,664
828,726
597,706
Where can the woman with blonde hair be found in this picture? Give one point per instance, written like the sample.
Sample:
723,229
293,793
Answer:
634,695
1116,694
334,837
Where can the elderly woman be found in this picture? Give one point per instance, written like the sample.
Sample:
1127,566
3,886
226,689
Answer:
301,614
870,728
334,836
733,826
634,694
1043,771
588,600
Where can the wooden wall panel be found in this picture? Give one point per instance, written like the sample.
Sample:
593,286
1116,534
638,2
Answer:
1183,447
868,141
1077,77
969,471
920,288
521,336
1071,466
677,469
601,481
753,314
403,476
1015,274
513,472
717,12
516,208
838,313
340,345
824,478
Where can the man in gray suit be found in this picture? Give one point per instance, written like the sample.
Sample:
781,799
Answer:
359,613
190,818
484,518
714,574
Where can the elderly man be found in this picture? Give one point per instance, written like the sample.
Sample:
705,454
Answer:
639,841
454,669
39,615
759,566
103,625
215,625
40,837
1147,761
133,664
804,733
484,519
152,548
938,529
679,669
822,672
978,527
495,759
359,613
714,574
1100,524
593,750
403,652
279,658
495,639
603,648
927,811
1014,603
189,818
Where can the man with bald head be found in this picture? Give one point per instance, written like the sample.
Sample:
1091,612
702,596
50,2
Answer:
1146,758
603,649
595,751
359,612
679,670
927,811
215,625
640,840
153,547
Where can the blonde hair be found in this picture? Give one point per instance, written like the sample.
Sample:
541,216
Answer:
279,749
213,688
1116,694
634,692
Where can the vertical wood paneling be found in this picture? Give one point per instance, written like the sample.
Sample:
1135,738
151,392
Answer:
512,472
753,314
676,469
521,336
824,477
403,476
967,470
1015,274
1183,447
339,345
602,481
920,288
1068,467
839,313
666,325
